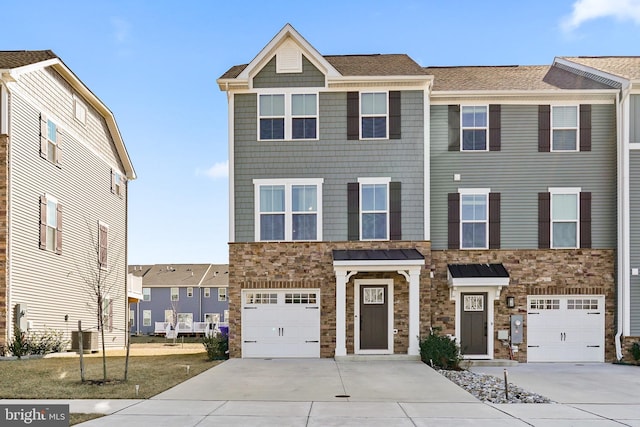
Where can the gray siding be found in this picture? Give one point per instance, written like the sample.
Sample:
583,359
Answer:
333,158
634,211
310,76
634,118
54,285
519,172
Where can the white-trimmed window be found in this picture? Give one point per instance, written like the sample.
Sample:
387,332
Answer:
474,128
565,217
226,316
374,208
288,209
213,318
189,292
50,224
103,245
79,111
117,183
132,318
207,292
564,128
374,115
146,294
474,218
146,317
185,321
169,316
222,294
107,313
52,142
287,116
175,294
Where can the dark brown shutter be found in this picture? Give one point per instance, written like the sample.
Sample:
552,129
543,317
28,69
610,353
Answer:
113,182
394,115
544,220
57,155
585,127
454,221
353,211
395,211
353,115
43,222
454,128
494,127
585,219
43,135
544,128
59,228
494,220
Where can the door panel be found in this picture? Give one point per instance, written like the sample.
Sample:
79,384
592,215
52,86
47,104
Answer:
473,324
374,317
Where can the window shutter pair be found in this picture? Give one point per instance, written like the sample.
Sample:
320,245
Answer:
353,211
353,115
495,123
453,239
43,225
544,128
544,220
44,141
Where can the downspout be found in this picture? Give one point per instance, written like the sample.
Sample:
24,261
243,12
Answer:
623,218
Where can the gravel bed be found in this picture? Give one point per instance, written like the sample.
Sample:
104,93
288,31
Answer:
491,389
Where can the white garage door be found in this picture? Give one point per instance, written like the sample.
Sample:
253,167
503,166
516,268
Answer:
565,328
281,323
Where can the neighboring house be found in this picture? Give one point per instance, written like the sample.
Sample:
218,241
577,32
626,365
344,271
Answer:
184,296
372,200
64,171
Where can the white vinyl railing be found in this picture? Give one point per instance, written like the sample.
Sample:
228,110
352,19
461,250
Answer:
184,327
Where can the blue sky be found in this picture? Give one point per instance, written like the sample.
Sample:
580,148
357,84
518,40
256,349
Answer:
154,64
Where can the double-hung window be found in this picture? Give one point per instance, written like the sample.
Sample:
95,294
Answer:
146,294
373,115
474,214
374,208
222,294
288,116
564,128
103,245
50,224
565,217
474,128
146,317
288,209
175,294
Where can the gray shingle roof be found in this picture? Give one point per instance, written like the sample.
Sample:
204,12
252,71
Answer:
20,58
360,65
627,67
180,275
511,77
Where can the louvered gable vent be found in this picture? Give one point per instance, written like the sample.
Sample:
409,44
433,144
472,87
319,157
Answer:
289,58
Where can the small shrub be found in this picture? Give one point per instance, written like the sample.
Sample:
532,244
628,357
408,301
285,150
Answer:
440,351
635,351
217,346
36,343
18,345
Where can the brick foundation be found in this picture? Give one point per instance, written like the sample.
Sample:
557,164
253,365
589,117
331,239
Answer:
627,342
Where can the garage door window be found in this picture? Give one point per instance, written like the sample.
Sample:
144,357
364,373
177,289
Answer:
544,304
261,298
300,298
582,304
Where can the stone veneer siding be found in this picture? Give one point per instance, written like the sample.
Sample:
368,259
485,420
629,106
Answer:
627,342
299,265
532,272
4,181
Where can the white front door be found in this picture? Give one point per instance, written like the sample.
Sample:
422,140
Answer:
281,323
565,328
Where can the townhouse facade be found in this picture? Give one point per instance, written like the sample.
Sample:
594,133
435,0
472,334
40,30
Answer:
63,191
187,298
373,200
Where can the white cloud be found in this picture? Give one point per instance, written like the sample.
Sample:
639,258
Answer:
121,29
587,10
218,170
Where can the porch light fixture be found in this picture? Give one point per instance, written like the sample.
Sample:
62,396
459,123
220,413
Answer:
511,302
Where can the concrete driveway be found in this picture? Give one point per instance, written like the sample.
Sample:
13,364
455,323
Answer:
324,392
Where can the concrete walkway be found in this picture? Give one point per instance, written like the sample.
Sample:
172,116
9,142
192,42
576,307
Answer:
323,392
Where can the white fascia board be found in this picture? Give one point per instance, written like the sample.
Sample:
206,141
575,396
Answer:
226,85
269,50
624,82
399,78
378,265
478,281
